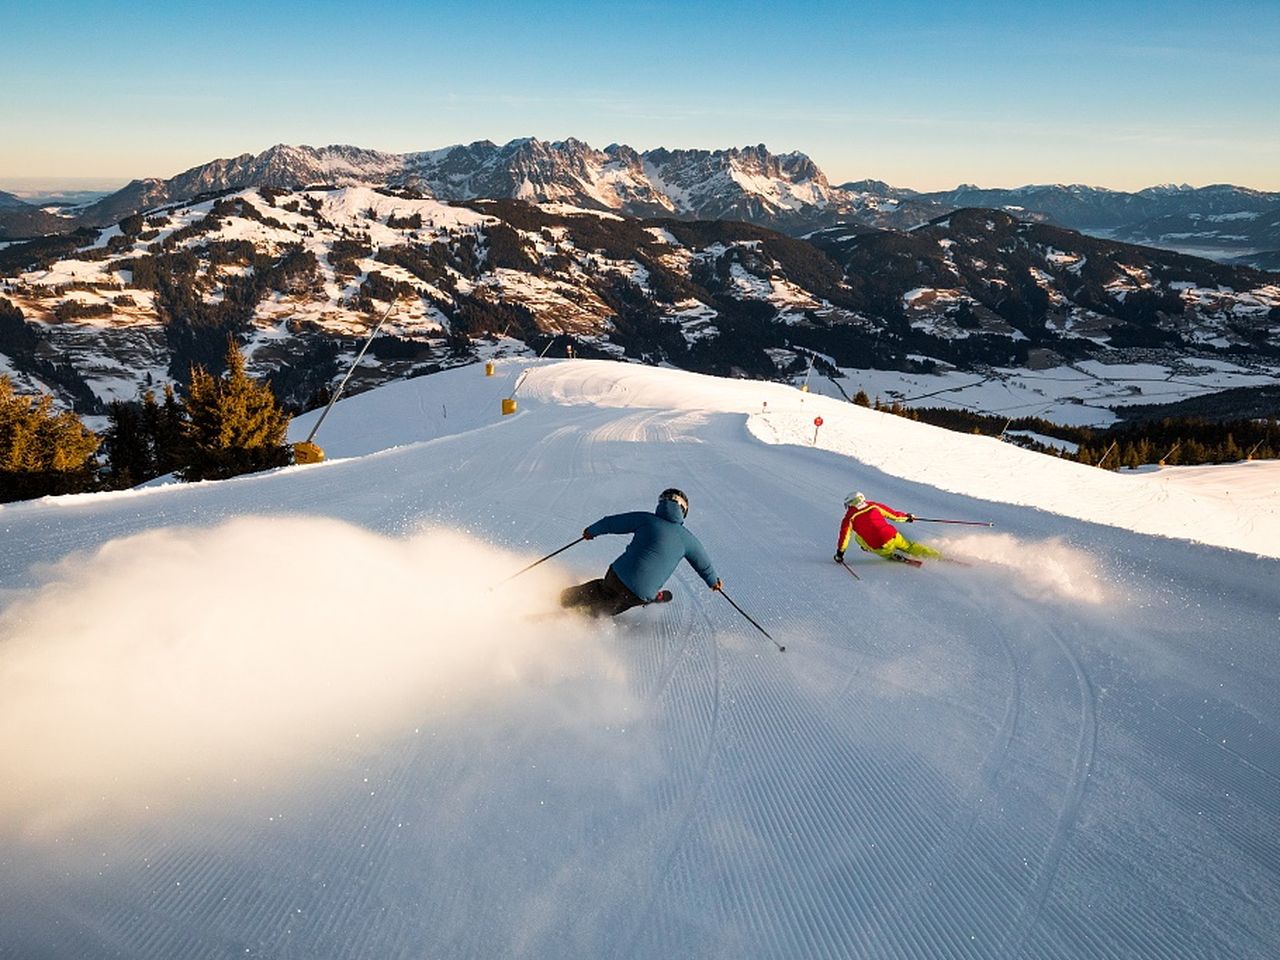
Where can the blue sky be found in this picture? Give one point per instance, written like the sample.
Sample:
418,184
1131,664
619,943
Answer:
921,94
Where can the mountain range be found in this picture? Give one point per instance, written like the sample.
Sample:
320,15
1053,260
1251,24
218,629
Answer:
785,192
299,275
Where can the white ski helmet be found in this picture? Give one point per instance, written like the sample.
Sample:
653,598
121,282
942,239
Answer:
855,499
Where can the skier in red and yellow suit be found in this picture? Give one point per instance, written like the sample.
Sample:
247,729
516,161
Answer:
868,521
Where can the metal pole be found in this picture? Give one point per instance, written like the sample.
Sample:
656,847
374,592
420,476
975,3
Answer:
967,523
1108,453
519,380
543,560
350,370
780,647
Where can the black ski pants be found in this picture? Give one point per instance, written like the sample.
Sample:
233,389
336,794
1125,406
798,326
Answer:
605,597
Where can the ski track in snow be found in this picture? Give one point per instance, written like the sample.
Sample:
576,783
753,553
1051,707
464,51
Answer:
939,766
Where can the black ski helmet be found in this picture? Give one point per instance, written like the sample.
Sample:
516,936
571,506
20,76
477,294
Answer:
671,493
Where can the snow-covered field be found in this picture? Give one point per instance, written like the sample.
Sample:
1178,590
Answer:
1082,394
286,716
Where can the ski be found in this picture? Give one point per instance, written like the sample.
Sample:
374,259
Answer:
905,559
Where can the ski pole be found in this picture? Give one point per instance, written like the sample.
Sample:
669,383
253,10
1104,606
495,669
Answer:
850,569
780,647
543,560
967,523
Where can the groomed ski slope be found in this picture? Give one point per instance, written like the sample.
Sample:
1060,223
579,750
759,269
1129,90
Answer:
284,715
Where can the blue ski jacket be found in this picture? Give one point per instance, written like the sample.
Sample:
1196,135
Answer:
661,541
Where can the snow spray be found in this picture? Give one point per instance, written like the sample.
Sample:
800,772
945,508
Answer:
185,665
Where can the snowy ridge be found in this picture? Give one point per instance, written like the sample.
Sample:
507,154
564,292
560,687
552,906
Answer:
1014,758
783,191
748,183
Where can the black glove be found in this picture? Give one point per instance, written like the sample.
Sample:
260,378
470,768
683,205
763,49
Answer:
911,518
586,536
839,557
718,585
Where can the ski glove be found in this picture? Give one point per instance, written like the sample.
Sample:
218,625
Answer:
587,536
839,557
911,518
718,585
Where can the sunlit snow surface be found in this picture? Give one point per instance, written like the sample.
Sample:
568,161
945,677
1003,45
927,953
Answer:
285,716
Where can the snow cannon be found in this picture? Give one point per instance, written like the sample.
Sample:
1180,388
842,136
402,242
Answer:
509,403
307,452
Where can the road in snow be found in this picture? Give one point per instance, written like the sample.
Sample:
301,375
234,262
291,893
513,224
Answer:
299,725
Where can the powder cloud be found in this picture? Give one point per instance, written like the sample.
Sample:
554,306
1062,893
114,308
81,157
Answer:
159,669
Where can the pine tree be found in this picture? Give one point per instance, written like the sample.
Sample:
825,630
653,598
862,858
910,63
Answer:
165,429
130,457
42,452
861,398
1230,451
234,424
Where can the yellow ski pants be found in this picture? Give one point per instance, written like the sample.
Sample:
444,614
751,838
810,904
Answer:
900,544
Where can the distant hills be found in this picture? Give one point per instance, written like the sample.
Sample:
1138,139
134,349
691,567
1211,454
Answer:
1218,220
20,219
785,192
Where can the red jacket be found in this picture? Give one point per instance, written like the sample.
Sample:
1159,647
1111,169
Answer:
868,522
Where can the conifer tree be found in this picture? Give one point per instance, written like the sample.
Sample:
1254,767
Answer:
233,425
165,428
1230,451
130,456
861,398
42,452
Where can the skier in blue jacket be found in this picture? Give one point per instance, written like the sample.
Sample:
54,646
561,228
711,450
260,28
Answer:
659,542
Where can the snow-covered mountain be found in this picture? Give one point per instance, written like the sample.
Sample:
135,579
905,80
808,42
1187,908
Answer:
288,715
746,184
282,166
786,192
298,275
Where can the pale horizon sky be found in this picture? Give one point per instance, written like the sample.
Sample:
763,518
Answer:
925,94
